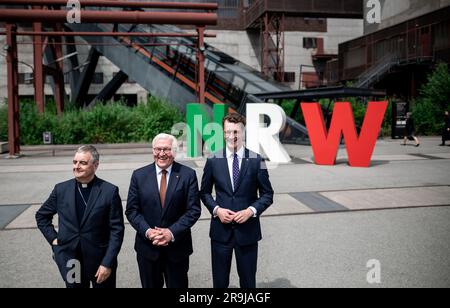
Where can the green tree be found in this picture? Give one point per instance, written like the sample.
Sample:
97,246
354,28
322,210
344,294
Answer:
434,99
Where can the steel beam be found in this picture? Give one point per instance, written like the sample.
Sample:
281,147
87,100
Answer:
110,89
201,66
74,72
38,74
60,92
13,92
80,96
315,94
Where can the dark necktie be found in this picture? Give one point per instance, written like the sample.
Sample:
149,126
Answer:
163,188
235,170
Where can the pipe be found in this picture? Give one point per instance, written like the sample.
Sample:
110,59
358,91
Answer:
107,44
131,34
176,18
123,4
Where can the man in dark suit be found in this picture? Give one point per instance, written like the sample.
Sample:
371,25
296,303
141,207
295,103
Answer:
237,175
163,204
90,225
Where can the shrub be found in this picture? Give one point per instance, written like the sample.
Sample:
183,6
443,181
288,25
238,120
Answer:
104,123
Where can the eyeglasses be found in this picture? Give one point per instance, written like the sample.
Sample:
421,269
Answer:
232,133
165,150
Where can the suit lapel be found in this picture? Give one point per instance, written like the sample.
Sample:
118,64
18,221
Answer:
223,162
173,183
93,196
153,185
244,168
71,203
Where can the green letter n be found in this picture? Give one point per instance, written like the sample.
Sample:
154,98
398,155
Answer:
201,127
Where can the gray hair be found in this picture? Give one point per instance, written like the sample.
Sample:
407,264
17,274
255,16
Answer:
165,137
90,149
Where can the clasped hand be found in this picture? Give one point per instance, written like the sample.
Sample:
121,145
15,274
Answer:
227,216
160,236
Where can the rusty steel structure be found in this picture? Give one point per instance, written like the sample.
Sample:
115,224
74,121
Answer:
400,55
273,56
50,43
270,17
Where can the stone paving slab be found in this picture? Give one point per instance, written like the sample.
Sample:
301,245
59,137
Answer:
317,202
26,219
283,205
387,158
312,202
391,198
9,212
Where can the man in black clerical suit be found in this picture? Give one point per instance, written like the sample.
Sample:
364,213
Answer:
90,225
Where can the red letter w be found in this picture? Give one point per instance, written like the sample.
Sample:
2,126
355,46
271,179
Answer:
325,144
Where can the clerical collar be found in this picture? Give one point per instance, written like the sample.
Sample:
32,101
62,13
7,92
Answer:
86,185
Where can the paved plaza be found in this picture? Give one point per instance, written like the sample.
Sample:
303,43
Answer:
326,222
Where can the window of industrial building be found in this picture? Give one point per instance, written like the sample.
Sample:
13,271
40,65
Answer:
25,78
228,9
98,78
309,20
309,42
289,77
441,35
355,58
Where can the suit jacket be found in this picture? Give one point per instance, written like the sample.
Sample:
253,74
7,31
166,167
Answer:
98,235
253,179
180,213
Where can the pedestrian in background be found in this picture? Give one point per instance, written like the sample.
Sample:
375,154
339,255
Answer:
445,129
410,130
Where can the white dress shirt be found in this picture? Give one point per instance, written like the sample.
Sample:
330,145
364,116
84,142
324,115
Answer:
159,177
230,157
